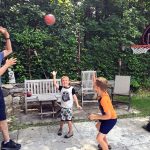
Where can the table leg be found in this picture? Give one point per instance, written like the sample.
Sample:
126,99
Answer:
53,107
59,111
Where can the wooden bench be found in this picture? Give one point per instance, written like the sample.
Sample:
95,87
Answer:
42,90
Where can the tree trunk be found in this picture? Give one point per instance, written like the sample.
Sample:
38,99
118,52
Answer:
79,53
106,9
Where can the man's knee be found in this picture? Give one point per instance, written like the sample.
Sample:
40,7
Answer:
3,124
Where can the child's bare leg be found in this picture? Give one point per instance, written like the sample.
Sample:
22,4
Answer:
61,124
60,129
98,124
105,139
70,126
70,133
101,141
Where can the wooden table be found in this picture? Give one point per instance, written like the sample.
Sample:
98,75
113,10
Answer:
46,98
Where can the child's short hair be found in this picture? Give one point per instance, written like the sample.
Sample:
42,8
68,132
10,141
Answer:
64,77
102,83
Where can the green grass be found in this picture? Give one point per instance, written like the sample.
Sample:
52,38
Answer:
141,103
138,102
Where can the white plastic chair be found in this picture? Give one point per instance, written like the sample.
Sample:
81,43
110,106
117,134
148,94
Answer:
87,85
122,88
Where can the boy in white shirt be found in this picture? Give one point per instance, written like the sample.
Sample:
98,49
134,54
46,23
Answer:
67,97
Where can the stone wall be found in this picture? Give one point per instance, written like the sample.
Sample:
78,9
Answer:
13,96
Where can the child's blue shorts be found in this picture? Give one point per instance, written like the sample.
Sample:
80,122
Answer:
2,107
107,125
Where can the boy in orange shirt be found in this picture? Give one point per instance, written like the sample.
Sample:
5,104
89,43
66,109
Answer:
108,118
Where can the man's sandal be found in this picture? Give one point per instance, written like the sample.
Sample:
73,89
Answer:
100,148
68,135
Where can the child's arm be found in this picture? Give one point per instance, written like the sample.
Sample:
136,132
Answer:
94,77
54,79
76,101
100,117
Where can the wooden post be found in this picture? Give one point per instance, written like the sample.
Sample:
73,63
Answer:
29,62
79,52
120,64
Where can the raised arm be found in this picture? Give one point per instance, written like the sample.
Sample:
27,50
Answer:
8,47
54,79
94,77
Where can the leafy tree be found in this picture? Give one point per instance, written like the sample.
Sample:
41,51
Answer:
87,35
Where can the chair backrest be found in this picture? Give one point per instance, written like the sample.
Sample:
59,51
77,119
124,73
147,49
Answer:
42,86
122,85
87,80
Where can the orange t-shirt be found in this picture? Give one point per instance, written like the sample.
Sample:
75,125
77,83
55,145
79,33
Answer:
106,105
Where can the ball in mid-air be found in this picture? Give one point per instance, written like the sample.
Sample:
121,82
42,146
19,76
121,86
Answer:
49,19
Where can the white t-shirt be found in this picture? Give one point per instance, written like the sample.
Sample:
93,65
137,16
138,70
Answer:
67,96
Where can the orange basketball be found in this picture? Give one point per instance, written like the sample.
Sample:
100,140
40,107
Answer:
29,94
49,19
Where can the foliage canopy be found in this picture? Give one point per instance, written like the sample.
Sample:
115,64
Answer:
88,34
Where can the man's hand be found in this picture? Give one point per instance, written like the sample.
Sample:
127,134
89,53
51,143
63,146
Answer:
54,73
10,62
4,32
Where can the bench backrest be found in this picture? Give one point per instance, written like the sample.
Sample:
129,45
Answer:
41,86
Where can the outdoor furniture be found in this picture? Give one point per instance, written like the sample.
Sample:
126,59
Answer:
87,86
58,103
40,89
47,98
111,84
122,88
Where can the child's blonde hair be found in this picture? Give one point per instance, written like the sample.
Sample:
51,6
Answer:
64,77
102,83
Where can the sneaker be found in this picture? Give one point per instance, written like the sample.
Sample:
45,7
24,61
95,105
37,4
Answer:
100,148
68,135
11,145
59,132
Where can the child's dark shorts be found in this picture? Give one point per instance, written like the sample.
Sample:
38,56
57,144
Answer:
2,107
107,125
